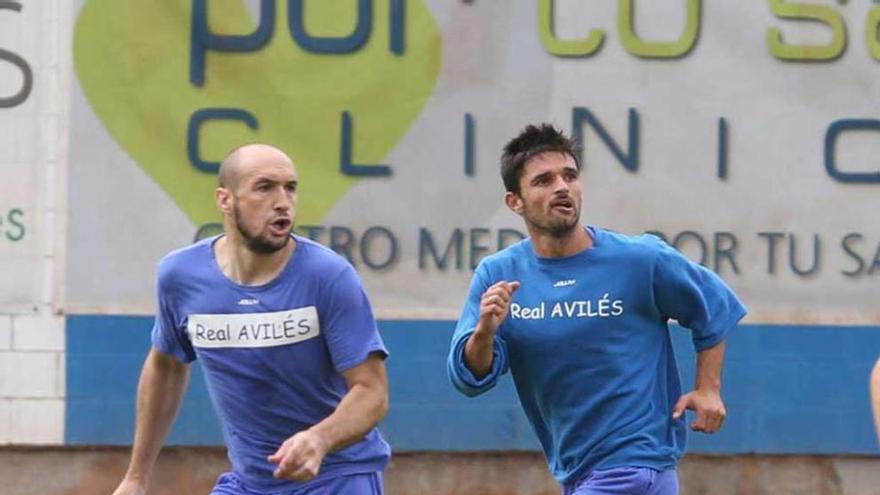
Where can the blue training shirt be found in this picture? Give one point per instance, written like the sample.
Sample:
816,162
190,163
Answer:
587,343
273,354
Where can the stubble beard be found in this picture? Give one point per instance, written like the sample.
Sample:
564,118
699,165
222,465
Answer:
256,243
557,228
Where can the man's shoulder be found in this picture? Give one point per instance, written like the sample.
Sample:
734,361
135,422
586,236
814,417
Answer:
185,259
516,250
507,258
317,258
644,244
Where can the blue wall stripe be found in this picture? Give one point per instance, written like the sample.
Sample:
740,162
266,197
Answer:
789,390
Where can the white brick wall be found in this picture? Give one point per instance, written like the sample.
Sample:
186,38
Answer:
37,421
30,375
32,382
5,421
32,345
32,386
38,333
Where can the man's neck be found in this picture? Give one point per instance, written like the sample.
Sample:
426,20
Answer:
246,267
550,246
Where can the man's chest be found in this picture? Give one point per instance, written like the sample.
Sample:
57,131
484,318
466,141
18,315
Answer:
556,307
253,329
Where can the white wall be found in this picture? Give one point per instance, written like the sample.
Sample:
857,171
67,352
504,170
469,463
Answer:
32,162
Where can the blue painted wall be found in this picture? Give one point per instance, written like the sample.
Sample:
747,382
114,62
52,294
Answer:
788,390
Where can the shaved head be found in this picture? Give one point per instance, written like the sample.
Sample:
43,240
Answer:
257,196
245,158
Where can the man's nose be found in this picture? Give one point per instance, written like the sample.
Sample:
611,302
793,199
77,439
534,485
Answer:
560,184
283,200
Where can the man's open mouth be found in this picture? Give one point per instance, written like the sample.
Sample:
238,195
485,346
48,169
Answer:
281,225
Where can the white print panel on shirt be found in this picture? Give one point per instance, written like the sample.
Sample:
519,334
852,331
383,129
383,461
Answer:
254,329
602,308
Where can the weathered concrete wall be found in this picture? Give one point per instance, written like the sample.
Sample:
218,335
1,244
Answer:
188,471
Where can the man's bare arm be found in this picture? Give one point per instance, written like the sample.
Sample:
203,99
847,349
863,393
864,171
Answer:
160,392
366,403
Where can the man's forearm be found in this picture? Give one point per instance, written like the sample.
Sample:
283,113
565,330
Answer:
709,363
160,392
361,409
478,353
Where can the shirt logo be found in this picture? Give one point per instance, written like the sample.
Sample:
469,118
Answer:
254,329
564,283
247,302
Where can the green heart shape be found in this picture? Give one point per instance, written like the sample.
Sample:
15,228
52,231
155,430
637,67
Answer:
132,58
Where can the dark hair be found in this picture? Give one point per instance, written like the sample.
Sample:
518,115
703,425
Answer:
530,142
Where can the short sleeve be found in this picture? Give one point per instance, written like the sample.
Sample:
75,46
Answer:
347,322
695,296
459,374
169,335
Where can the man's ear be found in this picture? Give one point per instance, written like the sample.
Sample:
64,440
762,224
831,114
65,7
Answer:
514,202
224,200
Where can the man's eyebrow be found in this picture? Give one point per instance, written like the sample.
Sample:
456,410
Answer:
263,178
540,176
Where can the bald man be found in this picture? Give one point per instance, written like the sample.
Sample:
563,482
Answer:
288,343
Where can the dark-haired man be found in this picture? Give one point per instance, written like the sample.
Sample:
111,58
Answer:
579,315
287,339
